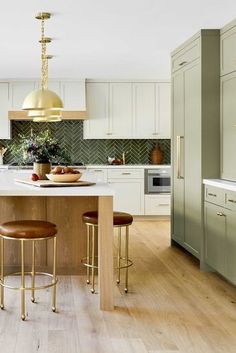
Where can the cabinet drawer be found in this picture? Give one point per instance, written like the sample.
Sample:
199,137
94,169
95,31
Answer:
125,173
186,56
230,200
157,205
228,51
214,195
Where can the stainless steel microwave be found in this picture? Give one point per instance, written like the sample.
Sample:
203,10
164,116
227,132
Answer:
158,181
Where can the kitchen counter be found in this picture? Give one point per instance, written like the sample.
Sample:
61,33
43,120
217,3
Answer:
97,166
64,207
221,183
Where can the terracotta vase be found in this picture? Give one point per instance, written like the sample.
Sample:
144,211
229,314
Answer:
41,169
157,155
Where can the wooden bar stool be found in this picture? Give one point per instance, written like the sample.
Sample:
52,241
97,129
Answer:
25,231
120,220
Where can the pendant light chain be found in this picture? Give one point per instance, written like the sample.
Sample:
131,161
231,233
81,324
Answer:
44,67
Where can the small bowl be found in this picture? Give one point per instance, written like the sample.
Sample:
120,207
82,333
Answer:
64,178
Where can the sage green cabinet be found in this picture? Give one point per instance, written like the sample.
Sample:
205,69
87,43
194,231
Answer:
215,240
195,134
228,126
220,233
228,49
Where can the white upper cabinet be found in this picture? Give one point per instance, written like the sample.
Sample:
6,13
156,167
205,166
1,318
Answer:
4,121
151,104
122,110
18,91
97,125
121,119
73,95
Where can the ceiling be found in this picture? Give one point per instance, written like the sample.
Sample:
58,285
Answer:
103,38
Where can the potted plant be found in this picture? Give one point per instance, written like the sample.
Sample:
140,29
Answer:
42,149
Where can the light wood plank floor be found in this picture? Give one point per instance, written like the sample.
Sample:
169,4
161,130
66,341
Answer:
172,307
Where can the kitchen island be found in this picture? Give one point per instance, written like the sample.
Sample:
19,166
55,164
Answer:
63,206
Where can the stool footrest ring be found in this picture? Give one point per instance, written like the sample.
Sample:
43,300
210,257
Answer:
130,263
29,288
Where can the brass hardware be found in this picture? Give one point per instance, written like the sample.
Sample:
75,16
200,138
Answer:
220,214
118,256
108,133
43,16
163,204
98,170
210,194
126,173
155,133
178,152
126,258
231,200
45,40
32,273
93,259
88,253
182,63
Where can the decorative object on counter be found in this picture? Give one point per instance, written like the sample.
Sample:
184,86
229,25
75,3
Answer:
157,155
2,152
115,161
64,175
42,149
43,105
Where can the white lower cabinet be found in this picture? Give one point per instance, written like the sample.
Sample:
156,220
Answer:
129,196
157,205
95,175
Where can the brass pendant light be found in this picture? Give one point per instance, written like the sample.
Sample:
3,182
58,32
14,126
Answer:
43,104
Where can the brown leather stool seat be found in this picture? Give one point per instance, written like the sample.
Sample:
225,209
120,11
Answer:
27,229
119,218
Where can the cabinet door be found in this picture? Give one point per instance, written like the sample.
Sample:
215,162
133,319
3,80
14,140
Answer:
73,95
144,103
129,196
4,121
192,145
121,110
163,103
215,239
177,223
228,51
97,125
231,245
228,127
18,92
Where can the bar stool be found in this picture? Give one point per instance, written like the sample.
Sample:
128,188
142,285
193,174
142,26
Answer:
120,220
28,231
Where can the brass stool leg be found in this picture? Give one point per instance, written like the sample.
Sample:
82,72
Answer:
88,253
2,273
118,255
126,258
54,274
33,273
93,258
22,281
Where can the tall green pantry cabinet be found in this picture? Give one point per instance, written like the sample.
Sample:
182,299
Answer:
195,134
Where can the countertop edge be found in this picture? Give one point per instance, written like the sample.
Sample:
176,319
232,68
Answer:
221,183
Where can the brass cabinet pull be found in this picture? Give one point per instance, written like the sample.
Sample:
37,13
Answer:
163,204
182,63
98,170
124,173
220,214
108,133
179,157
231,200
155,133
210,194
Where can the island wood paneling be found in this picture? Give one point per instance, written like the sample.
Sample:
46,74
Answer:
66,213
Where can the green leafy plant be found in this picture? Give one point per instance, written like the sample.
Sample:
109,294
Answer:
40,147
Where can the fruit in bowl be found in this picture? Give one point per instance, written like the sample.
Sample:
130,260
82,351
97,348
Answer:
64,174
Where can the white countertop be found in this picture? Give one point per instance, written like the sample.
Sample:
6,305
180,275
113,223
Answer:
8,187
221,183
96,166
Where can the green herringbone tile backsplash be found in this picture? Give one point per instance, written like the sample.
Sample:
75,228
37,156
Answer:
70,133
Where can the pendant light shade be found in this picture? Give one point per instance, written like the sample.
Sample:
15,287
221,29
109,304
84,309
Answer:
42,99
45,115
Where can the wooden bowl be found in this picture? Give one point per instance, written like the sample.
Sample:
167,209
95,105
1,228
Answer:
64,178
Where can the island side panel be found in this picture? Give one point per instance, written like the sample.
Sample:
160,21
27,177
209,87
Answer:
105,252
21,208
66,212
